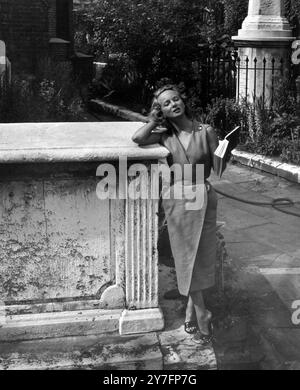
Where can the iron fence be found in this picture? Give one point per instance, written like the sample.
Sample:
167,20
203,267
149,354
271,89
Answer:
225,74
258,78
218,75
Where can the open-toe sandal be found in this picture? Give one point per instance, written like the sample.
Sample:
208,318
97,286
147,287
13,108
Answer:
203,339
191,327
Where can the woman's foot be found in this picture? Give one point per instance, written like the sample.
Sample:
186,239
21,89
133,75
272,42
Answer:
204,334
191,327
190,323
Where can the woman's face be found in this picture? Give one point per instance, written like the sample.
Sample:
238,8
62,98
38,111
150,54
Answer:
171,104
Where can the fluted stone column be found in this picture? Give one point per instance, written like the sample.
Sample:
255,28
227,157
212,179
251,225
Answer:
265,36
141,260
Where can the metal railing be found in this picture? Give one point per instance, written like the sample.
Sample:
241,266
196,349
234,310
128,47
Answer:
229,76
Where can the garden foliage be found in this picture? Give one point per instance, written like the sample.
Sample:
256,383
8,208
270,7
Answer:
51,95
146,41
271,132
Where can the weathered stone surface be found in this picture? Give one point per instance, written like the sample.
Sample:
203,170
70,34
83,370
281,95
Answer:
266,7
74,141
287,171
61,324
265,20
91,352
141,321
181,353
62,248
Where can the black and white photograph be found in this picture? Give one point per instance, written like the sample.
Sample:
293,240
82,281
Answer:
149,188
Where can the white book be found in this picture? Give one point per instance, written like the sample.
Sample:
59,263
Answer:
220,153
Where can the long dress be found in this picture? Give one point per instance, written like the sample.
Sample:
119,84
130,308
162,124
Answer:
192,232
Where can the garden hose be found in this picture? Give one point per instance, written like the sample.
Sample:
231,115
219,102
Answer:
275,203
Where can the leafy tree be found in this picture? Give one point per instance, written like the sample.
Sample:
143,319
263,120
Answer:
151,39
235,12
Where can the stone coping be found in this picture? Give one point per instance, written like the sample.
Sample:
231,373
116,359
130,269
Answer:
276,167
73,142
120,112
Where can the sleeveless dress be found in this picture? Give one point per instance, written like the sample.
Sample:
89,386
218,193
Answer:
192,233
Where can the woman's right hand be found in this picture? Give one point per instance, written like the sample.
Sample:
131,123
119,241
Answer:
150,133
156,115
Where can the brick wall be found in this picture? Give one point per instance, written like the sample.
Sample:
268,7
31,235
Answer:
26,27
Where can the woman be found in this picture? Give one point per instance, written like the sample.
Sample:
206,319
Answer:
192,232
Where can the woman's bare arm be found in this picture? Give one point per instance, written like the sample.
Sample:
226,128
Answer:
144,135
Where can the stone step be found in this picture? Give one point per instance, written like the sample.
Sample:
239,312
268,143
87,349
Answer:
91,352
61,324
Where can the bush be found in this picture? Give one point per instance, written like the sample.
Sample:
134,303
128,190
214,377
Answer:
273,132
224,115
293,14
48,96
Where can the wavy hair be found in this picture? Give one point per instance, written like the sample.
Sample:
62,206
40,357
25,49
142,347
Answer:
155,104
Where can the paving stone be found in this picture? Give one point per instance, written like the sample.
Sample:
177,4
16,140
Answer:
285,341
295,253
285,260
264,212
262,261
181,353
240,245
240,354
238,174
272,359
285,239
284,220
288,191
242,219
292,366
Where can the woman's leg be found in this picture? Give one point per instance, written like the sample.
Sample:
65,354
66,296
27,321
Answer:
190,311
203,315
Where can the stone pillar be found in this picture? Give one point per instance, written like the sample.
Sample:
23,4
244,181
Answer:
143,313
264,50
